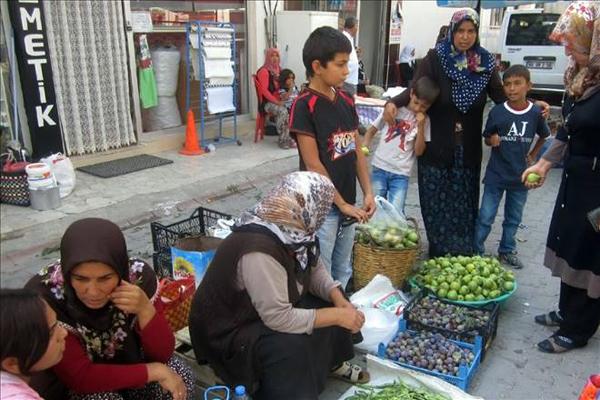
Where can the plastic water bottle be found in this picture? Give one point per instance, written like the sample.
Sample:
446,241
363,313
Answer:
240,393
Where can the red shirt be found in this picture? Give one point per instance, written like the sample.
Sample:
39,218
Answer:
82,375
264,77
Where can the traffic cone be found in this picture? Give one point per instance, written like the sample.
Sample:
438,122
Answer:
191,147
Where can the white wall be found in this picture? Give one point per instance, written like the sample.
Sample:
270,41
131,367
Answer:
422,21
257,44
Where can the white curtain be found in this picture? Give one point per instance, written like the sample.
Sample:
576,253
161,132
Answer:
87,46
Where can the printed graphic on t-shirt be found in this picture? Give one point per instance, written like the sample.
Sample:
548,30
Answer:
341,144
516,133
401,128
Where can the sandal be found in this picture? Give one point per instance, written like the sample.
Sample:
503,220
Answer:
557,344
350,373
550,319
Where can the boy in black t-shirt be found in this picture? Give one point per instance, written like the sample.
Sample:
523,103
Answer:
324,122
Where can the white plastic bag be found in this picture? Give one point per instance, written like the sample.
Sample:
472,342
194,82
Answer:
380,293
380,327
63,171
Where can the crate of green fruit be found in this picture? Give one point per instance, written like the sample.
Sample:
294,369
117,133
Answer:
472,281
454,321
431,353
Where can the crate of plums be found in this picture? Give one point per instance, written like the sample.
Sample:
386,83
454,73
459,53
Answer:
459,322
431,353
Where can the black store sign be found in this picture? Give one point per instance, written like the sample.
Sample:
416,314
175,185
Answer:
31,49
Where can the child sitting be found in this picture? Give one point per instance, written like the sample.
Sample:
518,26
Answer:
287,88
395,154
31,341
509,130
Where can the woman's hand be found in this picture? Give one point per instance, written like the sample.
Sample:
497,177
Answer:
545,108
350,318
133,300
168,380
389,113
531,183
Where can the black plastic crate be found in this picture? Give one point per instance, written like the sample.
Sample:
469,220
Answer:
487,332
165,236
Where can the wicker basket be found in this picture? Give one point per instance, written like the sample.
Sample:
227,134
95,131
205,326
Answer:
394,263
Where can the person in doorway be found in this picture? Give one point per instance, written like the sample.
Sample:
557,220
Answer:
325,124
442,34
403,142
363,81
31,340
407,64
267,314
268,80
287,87
350,31
572,250
449,169
119,344
510,130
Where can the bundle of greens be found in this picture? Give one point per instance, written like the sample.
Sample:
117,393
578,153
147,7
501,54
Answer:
394,391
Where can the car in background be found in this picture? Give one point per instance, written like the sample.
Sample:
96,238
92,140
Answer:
524,40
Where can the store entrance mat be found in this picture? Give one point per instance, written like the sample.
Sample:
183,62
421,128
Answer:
124,166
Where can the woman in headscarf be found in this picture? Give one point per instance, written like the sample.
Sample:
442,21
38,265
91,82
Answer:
268,87
119,345
449,170
573,244
407,64
267,314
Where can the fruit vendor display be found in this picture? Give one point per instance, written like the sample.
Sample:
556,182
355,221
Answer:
430,351
387,236
465,278
433,312
393,391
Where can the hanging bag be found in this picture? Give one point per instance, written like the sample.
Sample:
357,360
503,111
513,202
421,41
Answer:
176,298
14,188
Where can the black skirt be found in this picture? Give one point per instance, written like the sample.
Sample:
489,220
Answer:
573,246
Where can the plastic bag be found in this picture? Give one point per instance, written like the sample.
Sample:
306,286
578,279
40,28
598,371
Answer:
63,171
388,229
379,293
380,327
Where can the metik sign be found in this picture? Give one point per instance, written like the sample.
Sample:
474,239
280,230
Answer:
31,48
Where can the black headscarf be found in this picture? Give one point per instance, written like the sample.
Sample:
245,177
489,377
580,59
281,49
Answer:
107,333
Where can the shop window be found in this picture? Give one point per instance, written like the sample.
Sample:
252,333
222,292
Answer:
168,20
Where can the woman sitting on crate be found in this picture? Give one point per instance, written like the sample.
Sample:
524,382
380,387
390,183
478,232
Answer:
119,345
268,86
267,314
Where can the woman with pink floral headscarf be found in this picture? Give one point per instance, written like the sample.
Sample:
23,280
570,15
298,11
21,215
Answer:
573,244
268,87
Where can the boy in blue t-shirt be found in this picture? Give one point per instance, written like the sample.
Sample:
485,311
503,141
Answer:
324,122
509,130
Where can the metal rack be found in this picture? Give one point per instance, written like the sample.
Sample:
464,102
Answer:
199,28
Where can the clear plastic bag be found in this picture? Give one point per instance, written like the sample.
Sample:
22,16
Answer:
63,171
387,228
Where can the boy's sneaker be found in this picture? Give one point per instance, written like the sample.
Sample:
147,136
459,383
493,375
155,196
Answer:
511,259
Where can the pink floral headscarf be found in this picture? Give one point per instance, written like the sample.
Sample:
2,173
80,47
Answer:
579,29
274,68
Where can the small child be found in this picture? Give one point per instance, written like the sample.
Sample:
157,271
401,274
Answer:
324,122
30,341
510,130
395,154
287,88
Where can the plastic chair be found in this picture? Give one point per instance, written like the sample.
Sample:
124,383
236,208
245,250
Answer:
261,116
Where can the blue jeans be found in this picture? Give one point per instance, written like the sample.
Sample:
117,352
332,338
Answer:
336,243
391,186
513,212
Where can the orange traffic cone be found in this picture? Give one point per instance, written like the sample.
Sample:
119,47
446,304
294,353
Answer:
191,147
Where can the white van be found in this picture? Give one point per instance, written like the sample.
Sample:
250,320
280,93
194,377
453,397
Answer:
524,40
